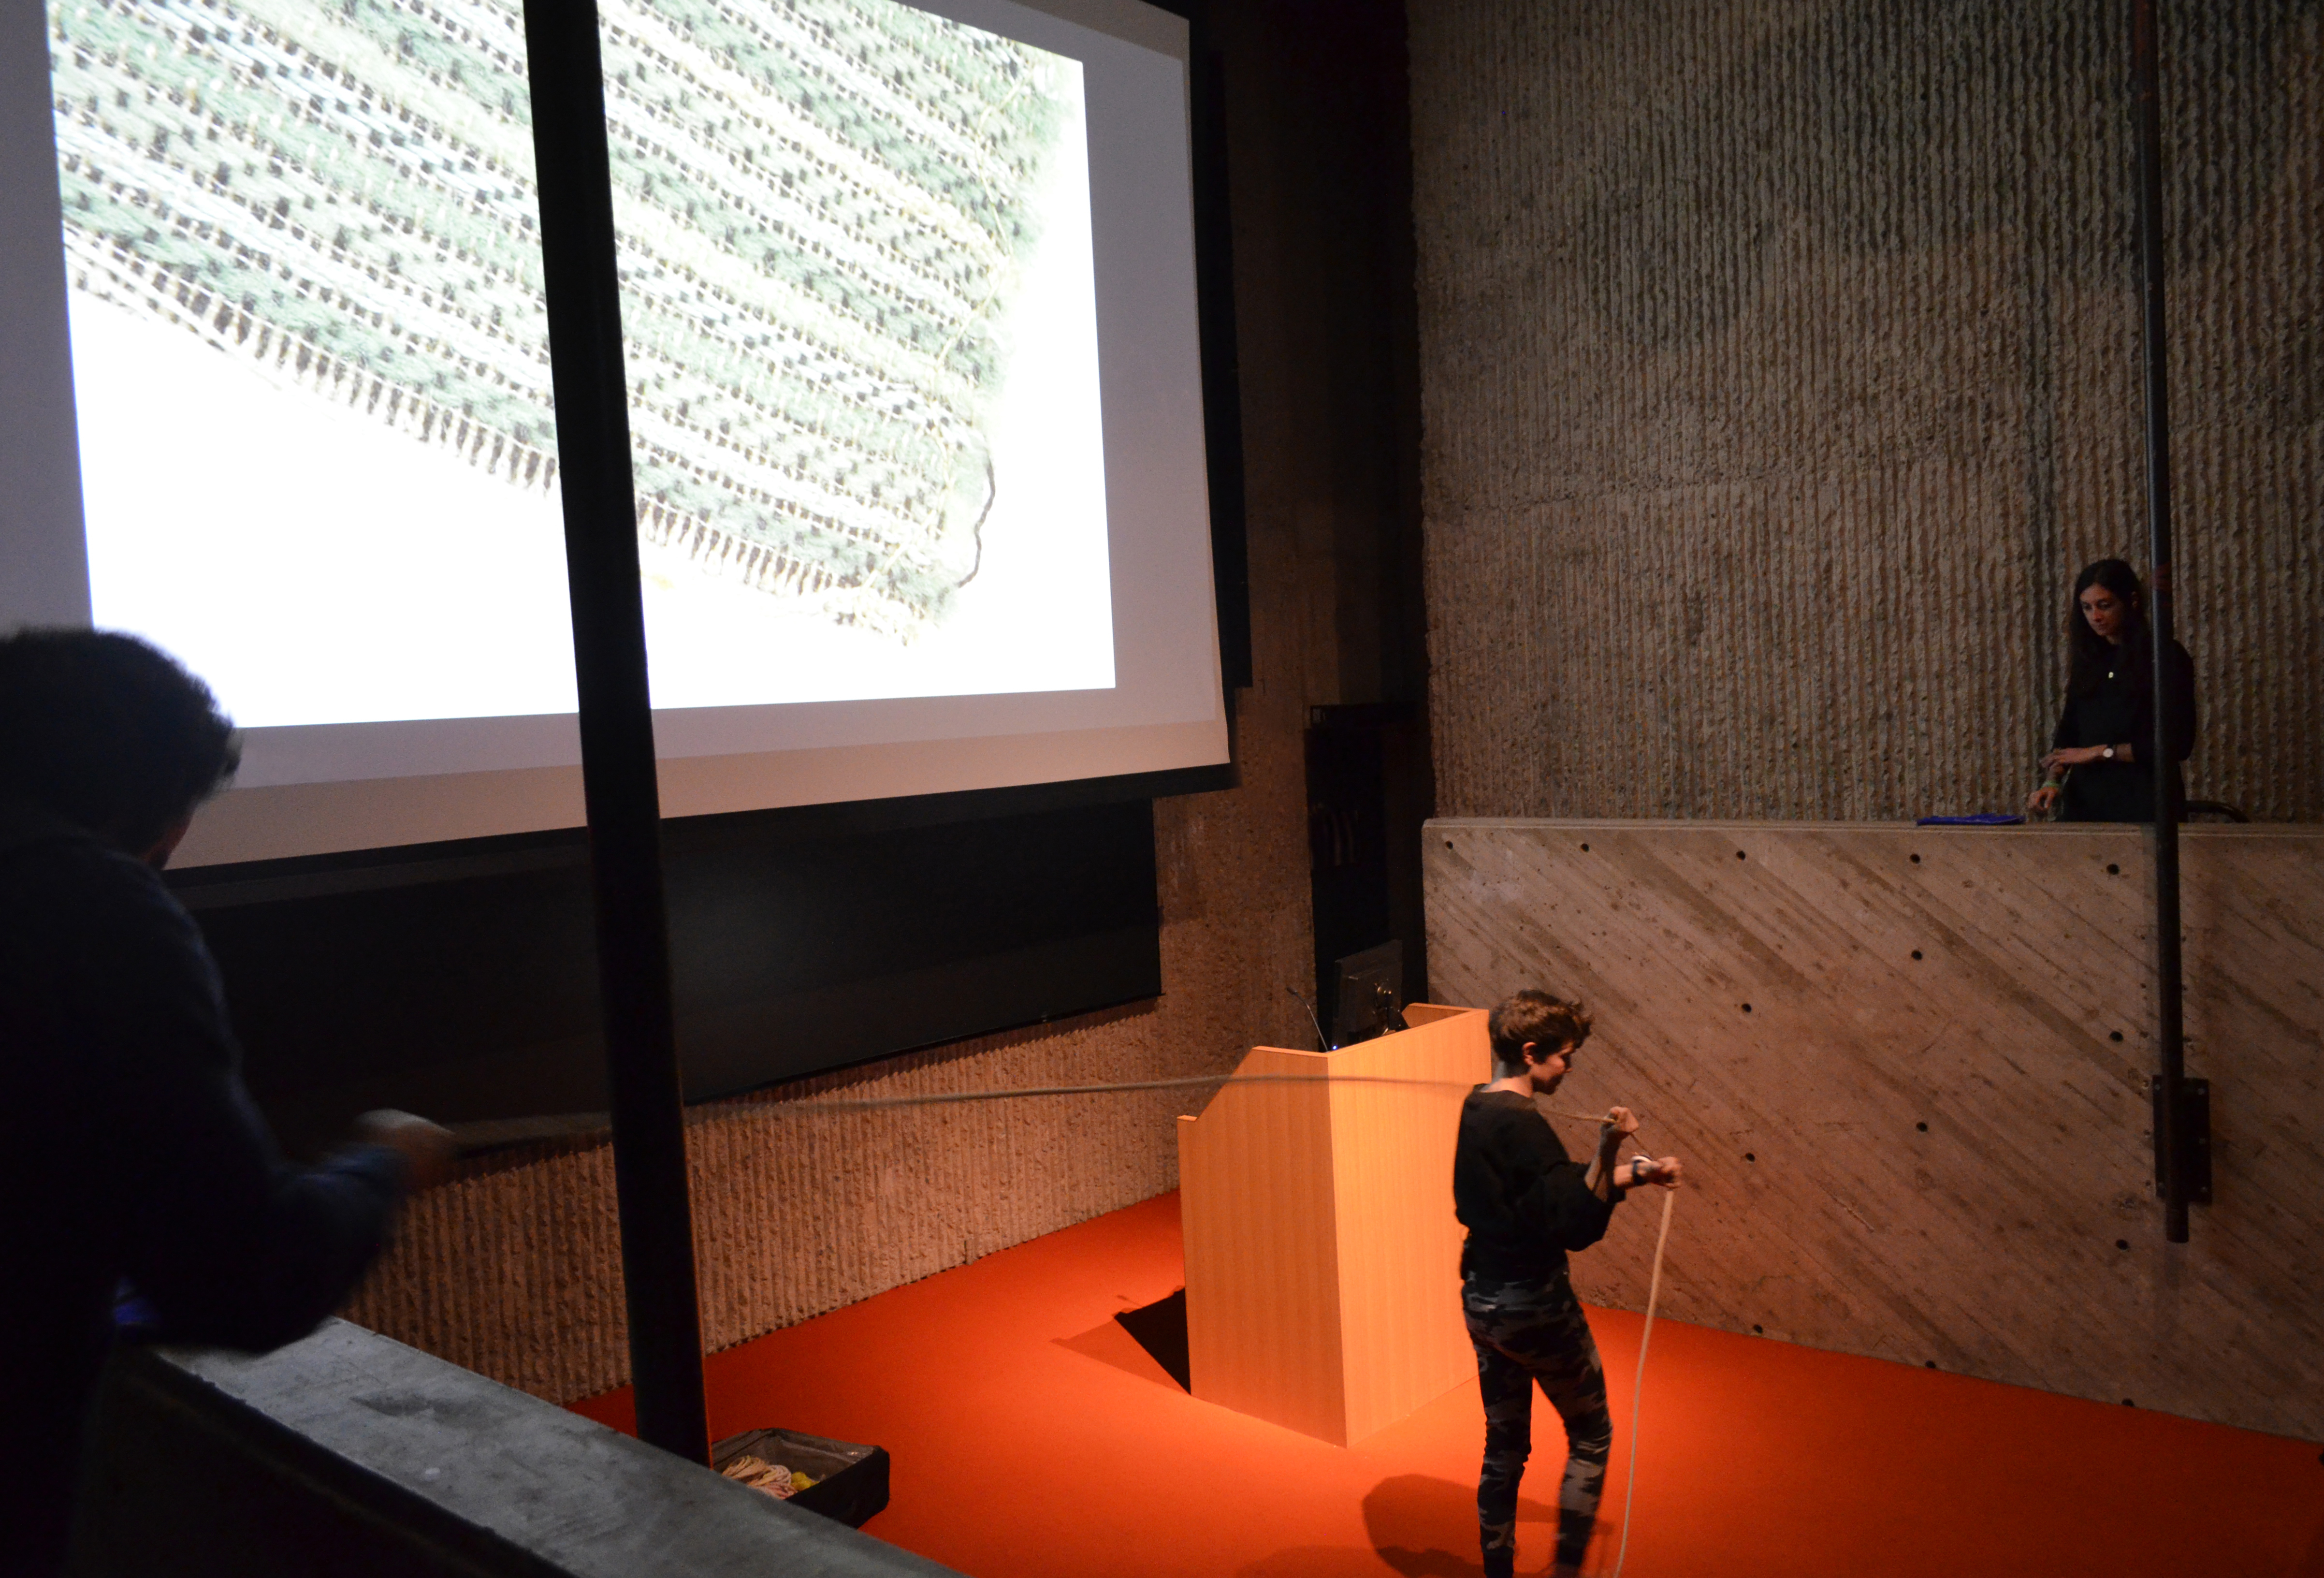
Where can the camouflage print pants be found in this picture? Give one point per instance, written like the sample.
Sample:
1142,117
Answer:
1530,1332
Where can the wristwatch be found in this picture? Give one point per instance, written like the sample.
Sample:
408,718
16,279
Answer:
2107,752
1635,1163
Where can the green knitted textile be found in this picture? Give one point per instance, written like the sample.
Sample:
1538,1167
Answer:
821,205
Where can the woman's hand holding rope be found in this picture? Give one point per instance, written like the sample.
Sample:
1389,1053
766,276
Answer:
1606,1172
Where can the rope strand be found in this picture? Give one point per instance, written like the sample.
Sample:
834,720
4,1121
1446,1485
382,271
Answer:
1645,1333
492,1133
1638,1386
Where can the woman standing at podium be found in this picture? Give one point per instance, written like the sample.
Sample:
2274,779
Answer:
1525,1204
2101,763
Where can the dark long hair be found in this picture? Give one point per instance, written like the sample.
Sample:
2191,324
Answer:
2093,653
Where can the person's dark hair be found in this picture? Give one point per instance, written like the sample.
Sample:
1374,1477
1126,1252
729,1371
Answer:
2093,653
1549,1022
109,733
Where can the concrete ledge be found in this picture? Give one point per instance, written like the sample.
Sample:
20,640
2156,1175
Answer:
350,1453
1908,1070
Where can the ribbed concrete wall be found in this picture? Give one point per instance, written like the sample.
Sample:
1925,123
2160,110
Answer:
1780,367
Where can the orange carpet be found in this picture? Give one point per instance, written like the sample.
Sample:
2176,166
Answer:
1033,1436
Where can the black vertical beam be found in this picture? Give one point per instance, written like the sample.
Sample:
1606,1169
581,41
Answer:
2172,1142
1222,367
617,746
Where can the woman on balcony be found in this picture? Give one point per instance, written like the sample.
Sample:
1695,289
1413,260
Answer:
2101,766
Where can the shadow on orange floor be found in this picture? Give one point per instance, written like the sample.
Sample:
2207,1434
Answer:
1034,1437
1108,1344
1406,1518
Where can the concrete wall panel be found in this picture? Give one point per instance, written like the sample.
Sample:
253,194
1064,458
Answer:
1907,1071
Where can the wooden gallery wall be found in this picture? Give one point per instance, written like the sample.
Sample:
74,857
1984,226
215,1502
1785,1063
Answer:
1908,1069
1780,366
514,1269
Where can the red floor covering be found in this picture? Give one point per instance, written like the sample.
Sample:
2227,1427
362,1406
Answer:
1033,1436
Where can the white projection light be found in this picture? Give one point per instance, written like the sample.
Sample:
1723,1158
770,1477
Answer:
311,360
910,345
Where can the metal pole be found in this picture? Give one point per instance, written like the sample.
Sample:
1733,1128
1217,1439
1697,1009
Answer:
2172,1141
617,746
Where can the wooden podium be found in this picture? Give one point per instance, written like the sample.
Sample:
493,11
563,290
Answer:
1322,1257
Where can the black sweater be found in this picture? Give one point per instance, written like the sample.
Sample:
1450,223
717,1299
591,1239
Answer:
128,1148
1521,1198
2120,711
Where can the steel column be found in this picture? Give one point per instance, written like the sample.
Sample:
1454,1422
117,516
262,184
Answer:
617,744
2174,1142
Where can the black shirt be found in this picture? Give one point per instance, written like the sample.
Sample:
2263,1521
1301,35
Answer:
2120,711
129,1151
1522,1200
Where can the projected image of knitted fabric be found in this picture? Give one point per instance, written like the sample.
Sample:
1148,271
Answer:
825,210
342,194
826,206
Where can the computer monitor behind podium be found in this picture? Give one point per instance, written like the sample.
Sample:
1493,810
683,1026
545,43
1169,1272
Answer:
1367,994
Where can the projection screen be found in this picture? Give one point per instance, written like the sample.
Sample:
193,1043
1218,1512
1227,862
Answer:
910,336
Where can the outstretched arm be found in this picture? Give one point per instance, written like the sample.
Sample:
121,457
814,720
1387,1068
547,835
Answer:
1607,1174
228,1242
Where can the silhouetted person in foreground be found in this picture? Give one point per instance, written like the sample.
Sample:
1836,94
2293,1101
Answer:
132,1166
2101,763
1525,1204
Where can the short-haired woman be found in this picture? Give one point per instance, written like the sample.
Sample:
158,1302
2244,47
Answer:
1525,1204
2101,766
